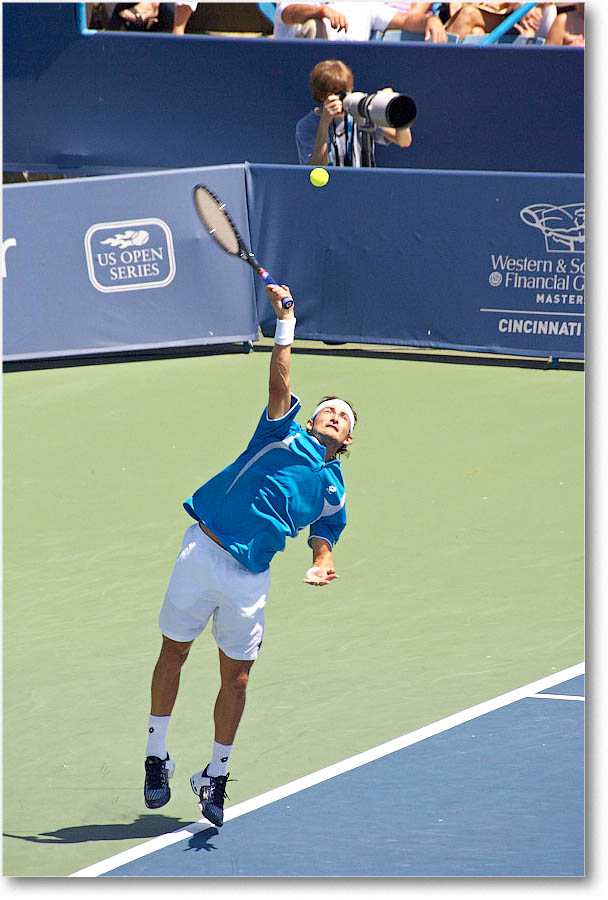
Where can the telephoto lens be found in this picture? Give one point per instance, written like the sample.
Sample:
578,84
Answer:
383,108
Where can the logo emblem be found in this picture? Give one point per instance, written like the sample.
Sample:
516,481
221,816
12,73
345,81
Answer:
563,227
130,255
332,489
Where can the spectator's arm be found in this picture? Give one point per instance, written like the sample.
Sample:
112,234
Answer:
297,13
181,17
418,20
557,31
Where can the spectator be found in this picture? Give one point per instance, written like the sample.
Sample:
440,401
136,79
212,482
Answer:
143,16
354,21
482,18
568,27
326,136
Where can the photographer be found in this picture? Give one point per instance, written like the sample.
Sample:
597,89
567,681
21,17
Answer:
327,136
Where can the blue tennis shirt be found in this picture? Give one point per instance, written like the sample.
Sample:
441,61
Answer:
279,485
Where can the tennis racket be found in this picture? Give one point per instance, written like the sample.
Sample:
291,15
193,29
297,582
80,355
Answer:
215,218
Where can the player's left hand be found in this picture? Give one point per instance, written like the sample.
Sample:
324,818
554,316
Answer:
320,575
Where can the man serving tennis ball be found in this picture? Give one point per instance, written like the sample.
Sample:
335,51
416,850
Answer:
287,478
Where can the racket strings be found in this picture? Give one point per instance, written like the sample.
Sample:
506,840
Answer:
216,220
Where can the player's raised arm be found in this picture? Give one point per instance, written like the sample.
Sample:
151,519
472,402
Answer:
279,392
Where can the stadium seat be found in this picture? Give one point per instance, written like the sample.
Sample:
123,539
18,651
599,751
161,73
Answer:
521,39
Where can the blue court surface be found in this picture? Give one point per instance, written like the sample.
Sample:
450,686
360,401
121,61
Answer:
496,790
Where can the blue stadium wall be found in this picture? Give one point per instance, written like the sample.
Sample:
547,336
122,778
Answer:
114,102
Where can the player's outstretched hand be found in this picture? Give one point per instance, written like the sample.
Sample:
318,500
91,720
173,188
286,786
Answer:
320,575
277,293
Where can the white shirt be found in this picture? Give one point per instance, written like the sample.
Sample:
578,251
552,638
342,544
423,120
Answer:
362,18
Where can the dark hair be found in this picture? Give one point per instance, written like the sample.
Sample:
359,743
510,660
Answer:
330,77
343,449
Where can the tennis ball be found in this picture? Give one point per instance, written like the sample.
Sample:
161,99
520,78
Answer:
319,177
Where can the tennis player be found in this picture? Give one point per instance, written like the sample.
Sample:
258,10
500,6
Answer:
286,479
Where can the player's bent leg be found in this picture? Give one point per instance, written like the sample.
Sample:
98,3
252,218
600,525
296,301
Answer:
230,701
229,706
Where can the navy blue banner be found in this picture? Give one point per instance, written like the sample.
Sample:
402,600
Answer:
474,261
121,263
478,262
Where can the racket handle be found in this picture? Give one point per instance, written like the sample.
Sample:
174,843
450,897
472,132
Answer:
268,279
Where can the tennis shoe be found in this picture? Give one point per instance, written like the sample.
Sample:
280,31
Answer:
211,792
156,786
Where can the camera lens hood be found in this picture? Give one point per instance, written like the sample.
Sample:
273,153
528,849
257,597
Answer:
383,108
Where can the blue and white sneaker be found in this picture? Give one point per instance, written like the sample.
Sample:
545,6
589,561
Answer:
156,786
211,792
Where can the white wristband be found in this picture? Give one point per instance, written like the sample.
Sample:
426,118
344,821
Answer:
285,331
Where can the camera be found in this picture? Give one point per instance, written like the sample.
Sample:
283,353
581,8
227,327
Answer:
384,108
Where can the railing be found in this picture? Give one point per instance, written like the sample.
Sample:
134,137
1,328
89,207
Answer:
505,25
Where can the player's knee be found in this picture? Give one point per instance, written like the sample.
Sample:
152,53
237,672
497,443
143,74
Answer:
237,684
174,653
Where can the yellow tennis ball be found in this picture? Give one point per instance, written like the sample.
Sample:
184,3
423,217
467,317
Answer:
319,177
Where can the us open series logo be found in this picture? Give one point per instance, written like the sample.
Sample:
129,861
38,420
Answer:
130,255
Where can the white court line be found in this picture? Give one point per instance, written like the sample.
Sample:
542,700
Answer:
353,762
557,697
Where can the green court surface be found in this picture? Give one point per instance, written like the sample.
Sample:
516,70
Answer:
461,577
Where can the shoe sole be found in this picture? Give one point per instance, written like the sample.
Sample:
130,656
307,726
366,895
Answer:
157,805
209,818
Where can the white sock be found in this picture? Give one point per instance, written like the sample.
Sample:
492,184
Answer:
157,736
219,760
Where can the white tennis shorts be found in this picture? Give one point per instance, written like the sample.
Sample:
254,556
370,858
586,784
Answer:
207,581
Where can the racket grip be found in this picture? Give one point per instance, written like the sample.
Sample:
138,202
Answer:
287,302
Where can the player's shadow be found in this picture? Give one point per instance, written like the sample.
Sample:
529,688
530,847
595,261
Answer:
200,840
144,826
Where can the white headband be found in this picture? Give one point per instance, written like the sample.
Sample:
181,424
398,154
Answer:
338,404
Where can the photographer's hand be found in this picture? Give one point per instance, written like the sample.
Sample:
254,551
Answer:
333,108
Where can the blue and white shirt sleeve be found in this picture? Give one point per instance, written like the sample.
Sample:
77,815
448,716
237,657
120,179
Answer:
329,527
276,428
